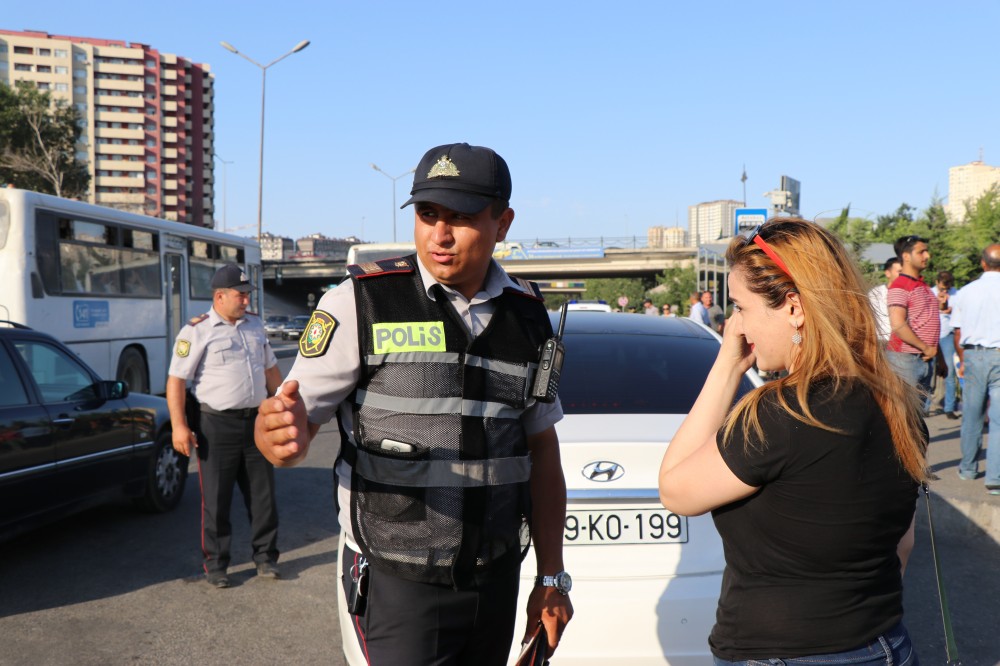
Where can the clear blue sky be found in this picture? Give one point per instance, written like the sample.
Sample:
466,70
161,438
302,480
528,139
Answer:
613,116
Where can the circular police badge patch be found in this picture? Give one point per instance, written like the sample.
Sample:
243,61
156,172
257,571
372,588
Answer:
316,338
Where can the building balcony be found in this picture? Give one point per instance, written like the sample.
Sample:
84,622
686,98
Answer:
130,102
170,137
169,90
170,169
115,133
118,117
116,84
169,121
170,184
129,70
119,198
120,165
120,181
170,200
119,149
170,153
170,106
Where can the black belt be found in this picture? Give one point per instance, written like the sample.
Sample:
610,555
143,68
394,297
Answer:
245,413
980,347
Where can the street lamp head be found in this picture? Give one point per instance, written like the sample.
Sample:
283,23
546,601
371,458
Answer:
301,45
229,47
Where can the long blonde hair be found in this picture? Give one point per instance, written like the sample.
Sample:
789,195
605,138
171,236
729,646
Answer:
840,340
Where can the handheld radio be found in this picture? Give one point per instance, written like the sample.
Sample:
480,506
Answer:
546,386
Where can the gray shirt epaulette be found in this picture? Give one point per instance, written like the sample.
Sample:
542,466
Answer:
530,289
381,267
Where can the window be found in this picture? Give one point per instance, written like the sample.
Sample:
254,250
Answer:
4,65
80,57
62,87
61,53
79,90
150,63
62,69
43,86
79,73
204,259
13,393
24,50
79,256
59,376
45,52
43,69
21,67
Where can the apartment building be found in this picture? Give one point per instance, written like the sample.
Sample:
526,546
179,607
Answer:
147,118
966,184
712,220
666,237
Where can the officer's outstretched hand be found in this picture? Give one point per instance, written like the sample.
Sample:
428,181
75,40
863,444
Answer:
281,431
553,608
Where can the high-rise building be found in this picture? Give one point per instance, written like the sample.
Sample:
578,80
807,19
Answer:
966,184
710,221
147,118
664,237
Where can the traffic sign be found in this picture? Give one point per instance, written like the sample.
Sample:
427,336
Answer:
748,218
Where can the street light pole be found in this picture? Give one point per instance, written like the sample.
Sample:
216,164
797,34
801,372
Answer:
393,194
224,164
263,91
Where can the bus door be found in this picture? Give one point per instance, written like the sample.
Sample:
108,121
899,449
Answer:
176,289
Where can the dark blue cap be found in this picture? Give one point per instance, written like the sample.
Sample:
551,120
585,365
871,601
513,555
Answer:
461,177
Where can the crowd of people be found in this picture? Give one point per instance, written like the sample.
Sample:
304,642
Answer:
946,342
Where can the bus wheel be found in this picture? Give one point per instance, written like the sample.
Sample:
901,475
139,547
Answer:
132,369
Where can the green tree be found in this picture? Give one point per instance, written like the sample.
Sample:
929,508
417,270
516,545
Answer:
965,242
674,286
610,289
38,138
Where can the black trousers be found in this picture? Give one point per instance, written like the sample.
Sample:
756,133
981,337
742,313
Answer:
419,624
227,456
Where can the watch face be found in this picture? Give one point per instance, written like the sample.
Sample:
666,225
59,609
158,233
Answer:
564,582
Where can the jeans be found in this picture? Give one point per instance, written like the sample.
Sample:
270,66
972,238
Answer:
982,383
893,648
947,344
913,369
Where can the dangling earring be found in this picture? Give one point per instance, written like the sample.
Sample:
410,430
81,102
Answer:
796,337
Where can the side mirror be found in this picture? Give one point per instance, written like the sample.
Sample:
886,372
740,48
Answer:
114,390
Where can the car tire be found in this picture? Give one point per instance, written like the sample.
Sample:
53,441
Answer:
166,477
132,370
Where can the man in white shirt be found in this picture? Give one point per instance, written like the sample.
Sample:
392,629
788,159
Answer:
975,319
877,296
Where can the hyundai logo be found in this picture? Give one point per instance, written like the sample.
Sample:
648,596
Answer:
603,471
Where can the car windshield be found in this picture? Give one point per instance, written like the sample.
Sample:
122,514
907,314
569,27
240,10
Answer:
634,373
277,319
301,320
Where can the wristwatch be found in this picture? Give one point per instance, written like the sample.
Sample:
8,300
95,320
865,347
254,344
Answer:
562,581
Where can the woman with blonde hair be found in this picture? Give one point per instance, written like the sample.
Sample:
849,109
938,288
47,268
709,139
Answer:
811,479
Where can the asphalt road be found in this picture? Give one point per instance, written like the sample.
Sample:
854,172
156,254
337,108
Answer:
115,586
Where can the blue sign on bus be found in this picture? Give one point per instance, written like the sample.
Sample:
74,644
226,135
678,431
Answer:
90,314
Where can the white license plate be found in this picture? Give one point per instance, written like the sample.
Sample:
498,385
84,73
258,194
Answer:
588,527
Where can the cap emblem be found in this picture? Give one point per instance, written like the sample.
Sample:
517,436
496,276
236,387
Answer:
243,277
443,167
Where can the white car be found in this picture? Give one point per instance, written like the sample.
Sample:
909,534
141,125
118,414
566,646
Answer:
646,582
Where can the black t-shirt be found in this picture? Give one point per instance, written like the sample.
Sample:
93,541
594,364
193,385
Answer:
811,565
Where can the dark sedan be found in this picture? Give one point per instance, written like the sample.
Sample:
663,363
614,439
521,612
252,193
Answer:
70,440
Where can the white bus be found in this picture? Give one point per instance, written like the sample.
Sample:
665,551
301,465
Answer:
116,287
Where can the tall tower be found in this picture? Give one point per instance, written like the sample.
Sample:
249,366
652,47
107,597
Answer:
147,118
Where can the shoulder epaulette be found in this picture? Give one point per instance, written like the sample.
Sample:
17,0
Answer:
528,288
397,265
252,313
194,321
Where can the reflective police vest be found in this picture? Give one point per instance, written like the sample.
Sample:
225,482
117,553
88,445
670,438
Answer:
439,487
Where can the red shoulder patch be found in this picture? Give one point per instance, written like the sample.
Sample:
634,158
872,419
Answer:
194,321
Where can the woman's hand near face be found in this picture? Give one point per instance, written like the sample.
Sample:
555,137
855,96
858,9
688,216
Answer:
735,351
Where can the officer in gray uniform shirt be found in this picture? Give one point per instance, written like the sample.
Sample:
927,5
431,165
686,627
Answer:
427,362
225,357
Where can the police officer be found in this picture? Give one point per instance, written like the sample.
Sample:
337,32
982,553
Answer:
446,462
225,356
